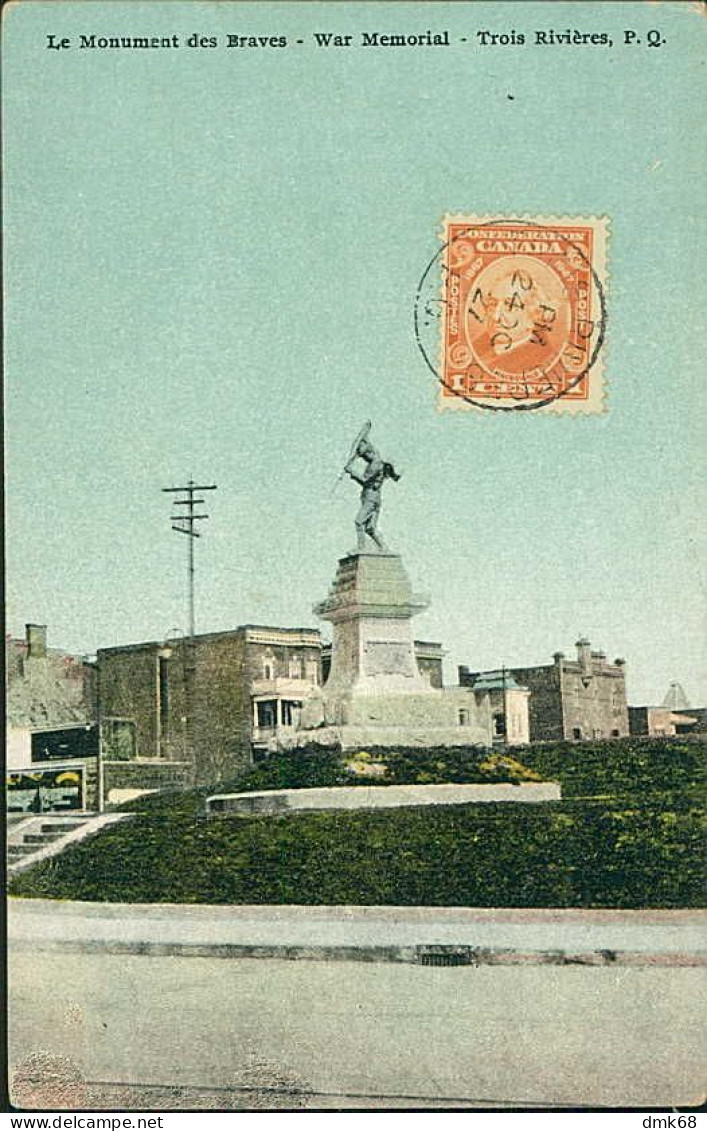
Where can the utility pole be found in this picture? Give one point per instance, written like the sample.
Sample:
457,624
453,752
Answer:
505,706
187,520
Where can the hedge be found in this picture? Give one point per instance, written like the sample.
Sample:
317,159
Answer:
559,854
630,833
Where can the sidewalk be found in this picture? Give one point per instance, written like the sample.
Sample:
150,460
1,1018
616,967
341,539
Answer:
422,935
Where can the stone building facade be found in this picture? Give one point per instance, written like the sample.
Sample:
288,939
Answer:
249,684
508,703
47,688
576,699
661,721
51,732
674,716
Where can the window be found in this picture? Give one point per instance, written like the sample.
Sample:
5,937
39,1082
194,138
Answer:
118,737
577,732
312,669
295,667
290,713
463,717
268,669
267,716
615,733
499,725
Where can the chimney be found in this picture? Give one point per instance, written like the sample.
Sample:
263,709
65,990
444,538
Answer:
584,654
36,636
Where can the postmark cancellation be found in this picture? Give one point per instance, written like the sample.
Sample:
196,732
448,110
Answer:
521,313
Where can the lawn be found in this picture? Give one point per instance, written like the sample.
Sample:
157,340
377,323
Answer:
630,834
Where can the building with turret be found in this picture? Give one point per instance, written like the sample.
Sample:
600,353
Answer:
573,699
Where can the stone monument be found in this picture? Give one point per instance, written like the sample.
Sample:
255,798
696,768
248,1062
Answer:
375,694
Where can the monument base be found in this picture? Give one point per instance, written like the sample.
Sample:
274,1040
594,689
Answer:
428,719
354,738
375,694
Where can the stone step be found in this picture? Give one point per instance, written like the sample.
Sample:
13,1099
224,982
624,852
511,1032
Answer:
16,850
48,834
59,829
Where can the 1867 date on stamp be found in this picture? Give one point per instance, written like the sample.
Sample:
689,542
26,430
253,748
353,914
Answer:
511,314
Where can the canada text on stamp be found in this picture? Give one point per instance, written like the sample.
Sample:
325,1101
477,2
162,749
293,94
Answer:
520,313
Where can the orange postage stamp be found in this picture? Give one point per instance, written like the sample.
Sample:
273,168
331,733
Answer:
521,313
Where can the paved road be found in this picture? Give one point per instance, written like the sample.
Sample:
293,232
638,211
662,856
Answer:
91,1026
269,1033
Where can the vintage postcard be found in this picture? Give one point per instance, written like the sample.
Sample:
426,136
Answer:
356,680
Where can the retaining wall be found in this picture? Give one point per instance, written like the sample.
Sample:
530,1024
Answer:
377,797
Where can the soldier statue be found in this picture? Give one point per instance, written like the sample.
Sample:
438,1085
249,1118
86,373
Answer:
372,478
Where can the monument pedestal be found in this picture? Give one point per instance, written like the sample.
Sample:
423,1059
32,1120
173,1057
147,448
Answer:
370,606
375,694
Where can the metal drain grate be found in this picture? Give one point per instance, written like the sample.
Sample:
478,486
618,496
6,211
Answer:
445,958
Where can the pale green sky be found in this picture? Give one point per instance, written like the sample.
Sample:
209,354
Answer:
211,262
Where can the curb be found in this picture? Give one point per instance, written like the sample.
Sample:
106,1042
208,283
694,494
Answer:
417,955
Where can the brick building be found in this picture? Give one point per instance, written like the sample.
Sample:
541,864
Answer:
249,685
573,699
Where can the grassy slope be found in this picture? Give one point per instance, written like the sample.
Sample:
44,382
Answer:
642,846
